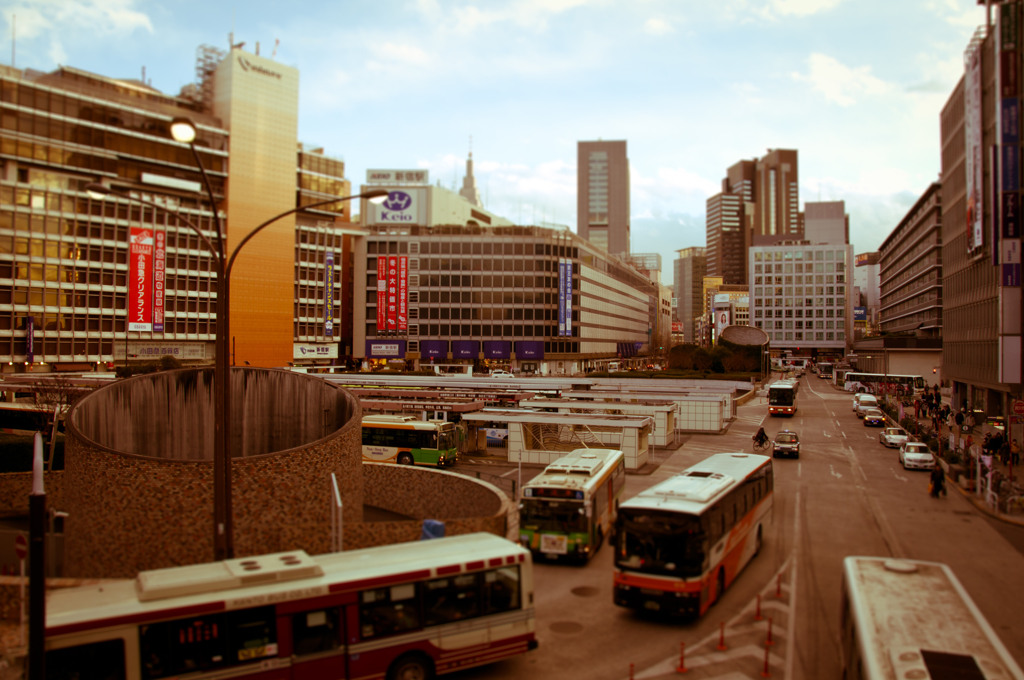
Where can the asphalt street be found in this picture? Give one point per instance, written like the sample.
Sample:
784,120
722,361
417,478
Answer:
846,495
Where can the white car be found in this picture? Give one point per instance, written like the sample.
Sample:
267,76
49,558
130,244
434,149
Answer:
865,404
893,437
856,399
501,374
916,456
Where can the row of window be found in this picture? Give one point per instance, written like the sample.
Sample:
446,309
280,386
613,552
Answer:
486,313
478,330
810,290
838,303
800,325
799,313
466,264
798,336
805,255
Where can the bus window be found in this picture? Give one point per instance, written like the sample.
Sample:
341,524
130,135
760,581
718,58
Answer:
501,590
672,545
451,599
387,611
203,643
92,661
314,632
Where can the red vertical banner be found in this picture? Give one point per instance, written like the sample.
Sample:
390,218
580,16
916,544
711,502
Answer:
382,293
159,280
392,293
403,293
140,280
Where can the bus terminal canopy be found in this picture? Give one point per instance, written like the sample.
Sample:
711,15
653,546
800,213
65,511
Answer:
397,406
583,419
410,394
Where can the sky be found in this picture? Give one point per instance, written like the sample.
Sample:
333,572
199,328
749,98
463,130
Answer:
856,86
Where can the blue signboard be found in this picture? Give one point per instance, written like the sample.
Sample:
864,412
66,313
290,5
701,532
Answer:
1011,274
860,313
434,349
1010,169
497,349
529,349
1011,121
465,349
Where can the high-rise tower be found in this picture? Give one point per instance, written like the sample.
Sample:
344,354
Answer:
602,195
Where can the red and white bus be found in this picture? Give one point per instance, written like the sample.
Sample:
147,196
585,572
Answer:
679,544
410,610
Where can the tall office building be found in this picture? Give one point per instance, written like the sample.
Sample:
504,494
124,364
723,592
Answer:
776,210
727,240
688,272
602,195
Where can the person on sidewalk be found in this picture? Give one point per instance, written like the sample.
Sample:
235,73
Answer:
938,481
1015,452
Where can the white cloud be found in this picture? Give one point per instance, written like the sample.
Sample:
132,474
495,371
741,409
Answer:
802,8
838,82
396,57
531,14
671,182
104,17
658,27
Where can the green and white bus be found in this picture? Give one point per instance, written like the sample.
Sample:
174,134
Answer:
407,440
567,510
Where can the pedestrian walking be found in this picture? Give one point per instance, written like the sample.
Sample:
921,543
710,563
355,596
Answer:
937,483
1015,452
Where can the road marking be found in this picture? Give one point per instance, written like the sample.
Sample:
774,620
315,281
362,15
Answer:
799,469
825,433
844,435
791,627
512,471
902,479
837,475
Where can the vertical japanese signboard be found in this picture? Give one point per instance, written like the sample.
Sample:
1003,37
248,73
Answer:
568,297
972,133
329,295
382,294
392,294
159,280
140,292
561,297
1006,229
403,293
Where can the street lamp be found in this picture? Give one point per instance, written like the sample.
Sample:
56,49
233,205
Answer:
184,131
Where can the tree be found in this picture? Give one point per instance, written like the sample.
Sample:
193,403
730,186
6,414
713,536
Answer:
52,398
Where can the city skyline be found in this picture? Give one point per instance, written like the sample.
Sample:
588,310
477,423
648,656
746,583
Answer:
692,89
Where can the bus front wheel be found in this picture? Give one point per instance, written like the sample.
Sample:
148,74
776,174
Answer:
405,459
411,667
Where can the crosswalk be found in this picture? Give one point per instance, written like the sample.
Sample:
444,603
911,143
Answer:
747,650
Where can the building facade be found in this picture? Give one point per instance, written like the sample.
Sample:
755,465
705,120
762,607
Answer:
727,239
910,270
70,270
532,299
801,296
602,195
867,293
776,209
688,272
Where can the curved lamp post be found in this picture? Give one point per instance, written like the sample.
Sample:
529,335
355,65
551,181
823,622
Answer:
184,131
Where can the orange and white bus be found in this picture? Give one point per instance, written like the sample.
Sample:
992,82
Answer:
679,544
406,610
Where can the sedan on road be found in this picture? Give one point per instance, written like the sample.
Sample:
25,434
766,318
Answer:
916,456
501,374
874,418
786,443
893,437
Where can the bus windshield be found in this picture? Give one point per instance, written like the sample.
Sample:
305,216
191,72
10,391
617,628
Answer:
661,543
446,439
780,397
548,515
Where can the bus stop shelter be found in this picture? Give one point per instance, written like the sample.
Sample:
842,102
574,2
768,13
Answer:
663,411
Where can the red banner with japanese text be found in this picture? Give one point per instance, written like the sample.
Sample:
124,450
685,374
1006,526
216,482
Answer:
140,280
159,280
392,293
382,293
403,293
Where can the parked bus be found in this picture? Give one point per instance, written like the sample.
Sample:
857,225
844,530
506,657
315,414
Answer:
407,440
403,610
910,619
782,398
825,371
875,383
679,544
568,509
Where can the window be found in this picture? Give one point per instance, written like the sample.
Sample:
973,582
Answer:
451,599
208,642
318,631
387,611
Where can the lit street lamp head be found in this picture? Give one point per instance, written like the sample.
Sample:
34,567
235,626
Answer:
97,191
183,130
376,196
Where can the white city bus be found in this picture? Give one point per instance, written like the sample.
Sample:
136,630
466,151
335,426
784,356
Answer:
910,619
407,440
679,544
568,509
410,610
876,383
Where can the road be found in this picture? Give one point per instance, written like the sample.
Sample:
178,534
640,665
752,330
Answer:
845,495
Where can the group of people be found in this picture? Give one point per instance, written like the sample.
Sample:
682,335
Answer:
997,445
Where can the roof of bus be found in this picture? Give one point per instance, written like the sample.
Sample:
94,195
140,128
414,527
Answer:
218,586
590,419
410,421
693,490
908,606
579,469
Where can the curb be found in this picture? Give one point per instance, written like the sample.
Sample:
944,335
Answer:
984,508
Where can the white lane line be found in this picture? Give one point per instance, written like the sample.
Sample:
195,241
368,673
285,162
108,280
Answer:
837,475
844,435
791,627
799,469
902,479
826,434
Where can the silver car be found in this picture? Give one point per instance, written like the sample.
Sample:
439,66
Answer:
865,404
916,456
893,437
